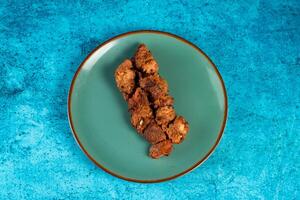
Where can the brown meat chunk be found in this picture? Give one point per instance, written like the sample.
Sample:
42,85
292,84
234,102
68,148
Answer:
163,100
153,133
178,130
145,61
140,119
163,148
141,112
155,85
164,115
138,99
124,77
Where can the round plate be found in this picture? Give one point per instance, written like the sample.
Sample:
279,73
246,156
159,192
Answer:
101,124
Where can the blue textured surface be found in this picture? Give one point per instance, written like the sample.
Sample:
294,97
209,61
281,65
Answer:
255,44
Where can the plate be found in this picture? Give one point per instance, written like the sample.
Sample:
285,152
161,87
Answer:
101,124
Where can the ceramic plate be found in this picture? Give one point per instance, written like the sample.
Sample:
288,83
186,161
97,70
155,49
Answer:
101,124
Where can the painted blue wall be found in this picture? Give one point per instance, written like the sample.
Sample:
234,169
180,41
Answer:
255,44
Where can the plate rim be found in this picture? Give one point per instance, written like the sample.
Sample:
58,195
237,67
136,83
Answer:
198,163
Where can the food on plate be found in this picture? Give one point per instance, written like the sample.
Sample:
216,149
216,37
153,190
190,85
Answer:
155,85
149,103
140,110
160,149
154,133
177,130
164,115
144,60
125,78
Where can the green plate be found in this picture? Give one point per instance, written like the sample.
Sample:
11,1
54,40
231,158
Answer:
101,124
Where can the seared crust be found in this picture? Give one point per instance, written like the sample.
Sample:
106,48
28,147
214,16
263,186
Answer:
144,60
124,77
163,100
153,133
141,112
155,85
178,130
163,148
164,115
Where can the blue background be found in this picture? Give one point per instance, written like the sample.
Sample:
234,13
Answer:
255,44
